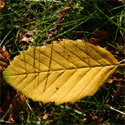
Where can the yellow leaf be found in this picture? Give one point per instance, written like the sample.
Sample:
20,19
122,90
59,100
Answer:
60,72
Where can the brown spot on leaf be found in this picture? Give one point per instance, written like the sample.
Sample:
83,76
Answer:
57,88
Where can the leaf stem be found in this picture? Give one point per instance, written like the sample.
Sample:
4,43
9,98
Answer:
121,65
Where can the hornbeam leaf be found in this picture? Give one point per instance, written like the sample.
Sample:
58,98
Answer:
60,72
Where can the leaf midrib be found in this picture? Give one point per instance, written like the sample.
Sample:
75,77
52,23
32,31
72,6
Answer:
67,69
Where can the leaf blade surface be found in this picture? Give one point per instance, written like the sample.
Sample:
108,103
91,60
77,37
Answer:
60,72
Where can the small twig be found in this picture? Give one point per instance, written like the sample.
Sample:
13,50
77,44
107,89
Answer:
116,110
122,61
